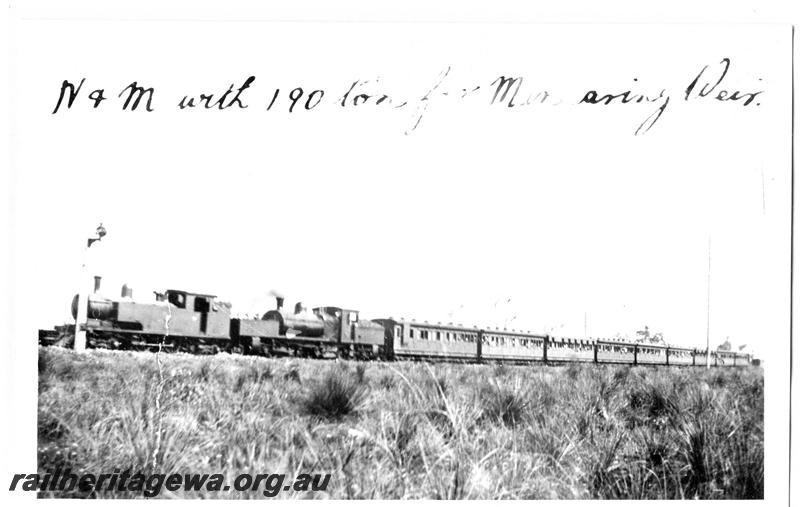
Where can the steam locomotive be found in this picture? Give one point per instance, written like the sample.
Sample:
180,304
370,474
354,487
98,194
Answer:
198,323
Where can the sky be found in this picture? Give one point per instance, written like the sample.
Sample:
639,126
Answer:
551,217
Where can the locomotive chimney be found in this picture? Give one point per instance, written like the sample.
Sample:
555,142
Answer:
127,292
97,280
278,302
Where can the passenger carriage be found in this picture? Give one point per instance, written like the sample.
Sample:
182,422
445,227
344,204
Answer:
512,346
681,356
615,352
651,354
724,358
412,339
570,349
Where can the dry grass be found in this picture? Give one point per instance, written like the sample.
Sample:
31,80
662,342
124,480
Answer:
409,430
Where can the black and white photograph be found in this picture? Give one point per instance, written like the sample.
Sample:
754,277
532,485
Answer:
284,253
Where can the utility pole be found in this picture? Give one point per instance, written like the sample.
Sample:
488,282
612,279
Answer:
81,315
708,309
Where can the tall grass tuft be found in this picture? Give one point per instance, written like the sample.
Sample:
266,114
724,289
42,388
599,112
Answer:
505,404
339,393
573,370
361,373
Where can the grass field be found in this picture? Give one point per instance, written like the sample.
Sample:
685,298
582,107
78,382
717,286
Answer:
408,430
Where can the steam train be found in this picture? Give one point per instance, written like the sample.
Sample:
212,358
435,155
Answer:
198,323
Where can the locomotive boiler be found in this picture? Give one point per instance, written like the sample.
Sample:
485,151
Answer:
300,323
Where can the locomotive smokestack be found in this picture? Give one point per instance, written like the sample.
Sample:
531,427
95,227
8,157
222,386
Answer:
127,292
278,302
97,280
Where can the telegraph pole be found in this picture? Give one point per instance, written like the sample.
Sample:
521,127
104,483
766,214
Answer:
81,315
708,309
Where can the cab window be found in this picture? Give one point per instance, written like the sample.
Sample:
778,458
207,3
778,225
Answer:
177,299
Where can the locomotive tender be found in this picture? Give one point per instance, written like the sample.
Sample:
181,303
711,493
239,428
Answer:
198,323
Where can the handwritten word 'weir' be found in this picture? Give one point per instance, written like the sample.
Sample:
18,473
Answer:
504,91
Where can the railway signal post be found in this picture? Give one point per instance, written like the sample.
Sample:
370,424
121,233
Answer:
81,315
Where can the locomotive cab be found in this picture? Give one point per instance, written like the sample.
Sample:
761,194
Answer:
196,314
347,321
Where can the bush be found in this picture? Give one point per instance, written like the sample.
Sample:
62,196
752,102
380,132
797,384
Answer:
573,370
292,374
507,405
254,374
338,394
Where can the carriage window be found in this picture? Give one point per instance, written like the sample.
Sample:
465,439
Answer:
352,317
397,332
411,333
439,335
